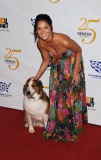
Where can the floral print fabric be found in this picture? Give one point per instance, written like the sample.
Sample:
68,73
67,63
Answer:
68,108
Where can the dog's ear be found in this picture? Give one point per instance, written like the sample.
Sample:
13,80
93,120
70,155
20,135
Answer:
40,84
25,86
24,89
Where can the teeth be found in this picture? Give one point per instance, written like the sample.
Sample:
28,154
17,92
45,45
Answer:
43,35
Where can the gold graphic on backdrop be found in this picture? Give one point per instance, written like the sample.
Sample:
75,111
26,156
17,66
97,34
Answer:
10,56
54,1
1,20
46,87
85,26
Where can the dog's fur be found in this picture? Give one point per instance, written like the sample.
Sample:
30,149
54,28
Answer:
36,104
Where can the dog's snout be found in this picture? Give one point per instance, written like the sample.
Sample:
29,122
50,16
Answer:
28,93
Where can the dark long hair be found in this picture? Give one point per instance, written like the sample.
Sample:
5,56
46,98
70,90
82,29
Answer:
41,17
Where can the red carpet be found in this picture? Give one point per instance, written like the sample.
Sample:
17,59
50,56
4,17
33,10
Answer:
16,143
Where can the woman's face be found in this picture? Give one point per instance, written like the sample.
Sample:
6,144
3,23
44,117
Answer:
44,30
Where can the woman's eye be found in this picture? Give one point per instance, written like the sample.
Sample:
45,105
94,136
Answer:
45,27
38,29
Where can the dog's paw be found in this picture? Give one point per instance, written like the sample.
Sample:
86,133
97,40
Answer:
45,125
26,125
31,130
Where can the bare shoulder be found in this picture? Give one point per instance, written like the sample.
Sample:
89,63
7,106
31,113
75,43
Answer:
67,42
43,51
40,44
62,37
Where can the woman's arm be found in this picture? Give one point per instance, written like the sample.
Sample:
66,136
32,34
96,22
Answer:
72,45
45,62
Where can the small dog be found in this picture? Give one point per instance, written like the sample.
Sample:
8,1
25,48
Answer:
36,104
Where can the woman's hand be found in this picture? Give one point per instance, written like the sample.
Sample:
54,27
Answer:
76,78
34,77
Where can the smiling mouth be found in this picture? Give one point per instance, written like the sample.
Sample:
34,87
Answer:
43,36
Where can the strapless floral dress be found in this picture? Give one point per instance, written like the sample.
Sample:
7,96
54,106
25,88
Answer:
68,109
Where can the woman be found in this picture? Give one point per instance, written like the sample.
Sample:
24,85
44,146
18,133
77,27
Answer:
66,85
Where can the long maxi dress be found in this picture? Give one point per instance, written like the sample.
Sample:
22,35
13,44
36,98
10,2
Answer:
68,109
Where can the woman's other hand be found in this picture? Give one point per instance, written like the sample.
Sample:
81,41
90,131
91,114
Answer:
76,78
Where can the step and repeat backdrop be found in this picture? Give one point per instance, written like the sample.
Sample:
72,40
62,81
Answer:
20,58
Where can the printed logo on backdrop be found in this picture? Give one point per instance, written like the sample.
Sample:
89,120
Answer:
32,23
90,103
4,89
11,60
87,33
96,67
4,24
